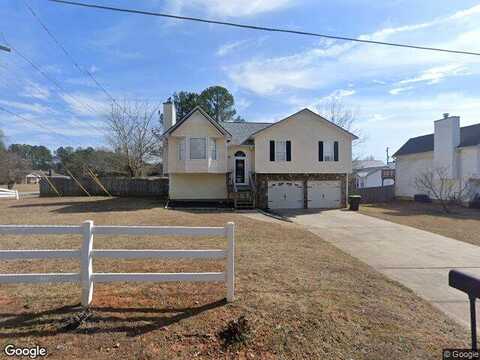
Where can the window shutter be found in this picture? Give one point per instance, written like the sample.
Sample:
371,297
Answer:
272,150
288,146
320,151
335,151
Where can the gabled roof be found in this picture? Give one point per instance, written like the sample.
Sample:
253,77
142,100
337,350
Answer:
311,112
469,136
175,126
241,131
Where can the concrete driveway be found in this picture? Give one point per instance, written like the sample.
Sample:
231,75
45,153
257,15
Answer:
418,259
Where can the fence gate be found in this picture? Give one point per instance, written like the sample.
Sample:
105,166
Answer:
87,278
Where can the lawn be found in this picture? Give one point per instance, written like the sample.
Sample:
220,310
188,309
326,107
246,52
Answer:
23,187
461,224
302,297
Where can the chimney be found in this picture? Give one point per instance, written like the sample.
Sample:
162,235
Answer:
445,142
169,114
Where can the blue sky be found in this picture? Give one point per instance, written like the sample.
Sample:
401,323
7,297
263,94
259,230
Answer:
395,93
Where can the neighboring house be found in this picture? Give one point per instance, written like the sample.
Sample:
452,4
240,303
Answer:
454,149
301,161
32,178
368,173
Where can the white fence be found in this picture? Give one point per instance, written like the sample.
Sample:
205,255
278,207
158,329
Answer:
86,253
8,194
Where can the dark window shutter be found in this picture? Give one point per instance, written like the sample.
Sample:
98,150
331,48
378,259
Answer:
272,150
289,150
335,151
320,151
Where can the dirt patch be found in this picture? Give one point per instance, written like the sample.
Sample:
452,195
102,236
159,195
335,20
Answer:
304,298
462,223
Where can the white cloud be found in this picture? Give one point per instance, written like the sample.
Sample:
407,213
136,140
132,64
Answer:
34,108
332,63
86,104
228,8
36,91
227,48
436,74
398,90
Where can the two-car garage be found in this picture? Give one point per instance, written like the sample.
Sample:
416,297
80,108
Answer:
319,194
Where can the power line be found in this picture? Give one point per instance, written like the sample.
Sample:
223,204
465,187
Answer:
4,48
60,88
263,28
67,53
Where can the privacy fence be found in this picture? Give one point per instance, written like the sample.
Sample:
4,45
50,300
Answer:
376,194
114,186
85,255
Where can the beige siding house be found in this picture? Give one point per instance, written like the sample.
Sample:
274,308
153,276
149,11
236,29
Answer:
302,161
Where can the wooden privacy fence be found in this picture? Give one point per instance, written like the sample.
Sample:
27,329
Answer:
9,194
87,278
116,186
376,194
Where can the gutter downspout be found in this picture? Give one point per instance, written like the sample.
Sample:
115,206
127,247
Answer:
346,189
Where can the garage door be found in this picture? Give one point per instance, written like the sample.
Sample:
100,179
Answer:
324,194
285,194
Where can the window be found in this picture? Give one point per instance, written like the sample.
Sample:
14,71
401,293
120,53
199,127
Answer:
198,148
181,149
280,150
213,148
328,151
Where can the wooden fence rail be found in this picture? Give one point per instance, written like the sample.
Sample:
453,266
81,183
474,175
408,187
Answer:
86,277
9,194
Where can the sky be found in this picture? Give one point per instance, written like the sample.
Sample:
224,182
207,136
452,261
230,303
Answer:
395,93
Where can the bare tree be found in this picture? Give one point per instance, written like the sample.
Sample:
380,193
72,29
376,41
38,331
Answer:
335,110
437,184
12,167
130,128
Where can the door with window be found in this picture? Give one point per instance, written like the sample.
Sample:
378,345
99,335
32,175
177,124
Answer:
240,168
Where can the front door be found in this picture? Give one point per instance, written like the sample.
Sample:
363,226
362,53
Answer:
240,169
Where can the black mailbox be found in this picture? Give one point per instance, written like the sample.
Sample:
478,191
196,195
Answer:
471,286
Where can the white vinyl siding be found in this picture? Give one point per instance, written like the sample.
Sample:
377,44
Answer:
181,149
213,148
198,148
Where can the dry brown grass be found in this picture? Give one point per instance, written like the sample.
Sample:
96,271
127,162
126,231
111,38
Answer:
304,298
461,224
24,187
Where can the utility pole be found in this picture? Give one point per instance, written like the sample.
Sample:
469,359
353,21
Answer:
4,48
388,157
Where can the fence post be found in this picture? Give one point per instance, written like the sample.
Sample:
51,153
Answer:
86,278
230,270
17,197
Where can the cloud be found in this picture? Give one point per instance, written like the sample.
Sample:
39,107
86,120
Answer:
332,62
86,104
436,74
227,48
36,91
398,90
228,8
34,108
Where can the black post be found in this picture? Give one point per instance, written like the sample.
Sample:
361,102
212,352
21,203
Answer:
473,322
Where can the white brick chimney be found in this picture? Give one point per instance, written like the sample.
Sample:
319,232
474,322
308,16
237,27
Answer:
169,114
446,141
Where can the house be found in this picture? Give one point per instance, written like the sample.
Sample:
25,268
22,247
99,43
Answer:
373,173
302,161
453,149
32,178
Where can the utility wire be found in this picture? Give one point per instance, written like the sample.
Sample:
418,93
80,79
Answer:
263,28
69,55
61,90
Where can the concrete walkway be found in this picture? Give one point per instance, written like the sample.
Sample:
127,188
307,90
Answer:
418,259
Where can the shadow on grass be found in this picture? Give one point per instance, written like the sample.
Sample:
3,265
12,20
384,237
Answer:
74,205
131,321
